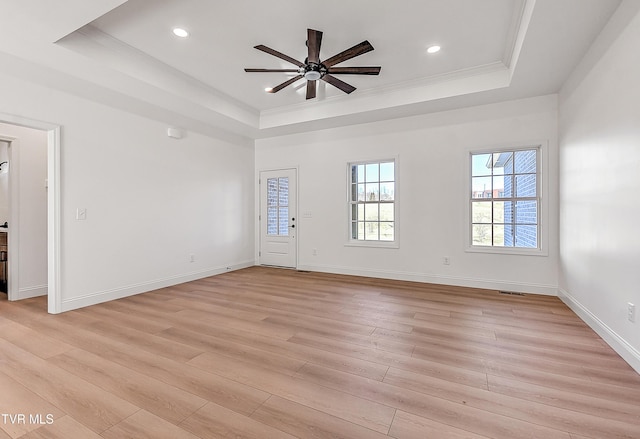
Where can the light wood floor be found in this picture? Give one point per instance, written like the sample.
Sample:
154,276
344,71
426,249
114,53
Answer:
267,353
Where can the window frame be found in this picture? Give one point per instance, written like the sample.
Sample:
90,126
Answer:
541,189
350,242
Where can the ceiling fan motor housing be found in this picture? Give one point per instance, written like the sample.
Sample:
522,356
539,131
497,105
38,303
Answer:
313,71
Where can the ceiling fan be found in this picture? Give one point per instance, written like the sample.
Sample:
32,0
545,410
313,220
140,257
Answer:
313,69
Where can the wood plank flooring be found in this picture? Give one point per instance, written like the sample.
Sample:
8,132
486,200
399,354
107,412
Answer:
270,353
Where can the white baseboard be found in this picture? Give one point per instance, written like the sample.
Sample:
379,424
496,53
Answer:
490,284
630,354
130,290
29,292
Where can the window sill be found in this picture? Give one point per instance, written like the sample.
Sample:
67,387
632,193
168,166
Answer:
373,244
507,251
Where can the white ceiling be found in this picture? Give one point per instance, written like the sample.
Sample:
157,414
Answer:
124,53
223,35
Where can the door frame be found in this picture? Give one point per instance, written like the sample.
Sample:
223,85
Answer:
54,299
259,207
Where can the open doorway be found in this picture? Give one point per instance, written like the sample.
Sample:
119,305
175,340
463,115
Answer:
23,211
31,209
4,215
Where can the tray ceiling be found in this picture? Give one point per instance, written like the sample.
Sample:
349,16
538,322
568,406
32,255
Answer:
491,49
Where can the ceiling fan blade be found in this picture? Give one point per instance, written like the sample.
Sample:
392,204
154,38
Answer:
311,89
279,55
352,52
355,70
272,70
277,88
314,40
338,83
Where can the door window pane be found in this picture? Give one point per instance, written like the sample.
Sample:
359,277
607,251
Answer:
272,192
272,220
283,191
283,221
278,206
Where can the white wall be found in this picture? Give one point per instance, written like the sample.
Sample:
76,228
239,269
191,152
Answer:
28,167
432,188
599,192
151,201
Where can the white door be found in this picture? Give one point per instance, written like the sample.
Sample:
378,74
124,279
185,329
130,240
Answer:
278,218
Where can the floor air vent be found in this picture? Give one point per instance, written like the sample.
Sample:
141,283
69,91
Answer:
512,293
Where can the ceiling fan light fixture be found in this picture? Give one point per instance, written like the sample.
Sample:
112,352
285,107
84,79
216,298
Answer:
433,49
312,75
180,32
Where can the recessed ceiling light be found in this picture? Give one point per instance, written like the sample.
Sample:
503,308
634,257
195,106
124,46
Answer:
433,49
179,32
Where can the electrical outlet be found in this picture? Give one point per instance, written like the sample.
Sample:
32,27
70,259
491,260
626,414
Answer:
446,260
192,258
314,252
631,312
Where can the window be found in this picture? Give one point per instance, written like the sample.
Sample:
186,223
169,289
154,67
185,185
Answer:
372,201
278,206
505,199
